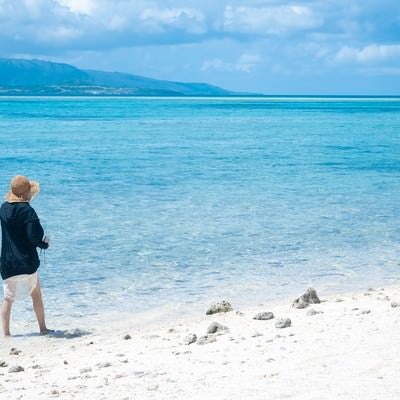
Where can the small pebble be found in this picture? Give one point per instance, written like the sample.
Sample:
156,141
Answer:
127,337
283,323
224,306
206,340
309,297
264,316
16,368
240,314
104,364
190,338
312,312
215,327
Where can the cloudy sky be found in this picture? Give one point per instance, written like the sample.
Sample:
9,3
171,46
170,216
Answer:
269,46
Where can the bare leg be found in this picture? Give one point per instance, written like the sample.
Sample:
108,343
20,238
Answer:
39,308
5,316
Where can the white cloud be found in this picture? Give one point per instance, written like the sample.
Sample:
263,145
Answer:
117,23
61,33
273,20
34,8
171,15
102,25
371,53
95,24
84,7
2,8
188,19
245,63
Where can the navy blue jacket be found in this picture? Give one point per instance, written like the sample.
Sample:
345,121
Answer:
21,233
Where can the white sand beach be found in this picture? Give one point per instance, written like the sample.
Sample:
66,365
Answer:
348,349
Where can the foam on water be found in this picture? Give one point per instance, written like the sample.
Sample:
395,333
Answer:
157,202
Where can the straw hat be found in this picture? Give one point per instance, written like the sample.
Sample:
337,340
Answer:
22,189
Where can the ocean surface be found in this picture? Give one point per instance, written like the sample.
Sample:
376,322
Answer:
169,203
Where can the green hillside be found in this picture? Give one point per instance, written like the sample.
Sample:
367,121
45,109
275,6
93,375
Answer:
37,77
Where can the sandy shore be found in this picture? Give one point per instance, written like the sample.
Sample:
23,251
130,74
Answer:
348,349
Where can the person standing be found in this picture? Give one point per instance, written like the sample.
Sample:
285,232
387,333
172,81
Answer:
22,234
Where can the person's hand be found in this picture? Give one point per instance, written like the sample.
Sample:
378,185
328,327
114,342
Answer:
46,240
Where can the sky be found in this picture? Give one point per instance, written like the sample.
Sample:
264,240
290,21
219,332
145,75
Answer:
263,46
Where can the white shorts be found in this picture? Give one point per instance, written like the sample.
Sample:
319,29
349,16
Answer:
20,286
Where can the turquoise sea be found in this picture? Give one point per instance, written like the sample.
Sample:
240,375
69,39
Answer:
168,202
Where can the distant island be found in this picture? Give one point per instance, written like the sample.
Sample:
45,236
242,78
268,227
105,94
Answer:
20,77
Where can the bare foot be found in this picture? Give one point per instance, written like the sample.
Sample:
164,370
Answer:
46,332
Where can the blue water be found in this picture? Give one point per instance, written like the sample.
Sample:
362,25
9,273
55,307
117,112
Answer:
154,202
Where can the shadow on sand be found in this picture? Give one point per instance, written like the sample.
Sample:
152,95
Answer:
59,334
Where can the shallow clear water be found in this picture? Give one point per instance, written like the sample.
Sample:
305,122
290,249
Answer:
151,202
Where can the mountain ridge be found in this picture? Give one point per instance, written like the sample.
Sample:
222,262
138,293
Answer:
40,77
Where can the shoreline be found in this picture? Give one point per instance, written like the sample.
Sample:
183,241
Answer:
24,322
347,349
